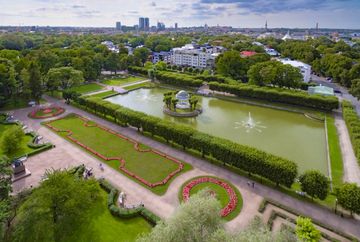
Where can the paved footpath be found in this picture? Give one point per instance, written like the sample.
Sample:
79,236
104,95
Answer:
66,155
351,166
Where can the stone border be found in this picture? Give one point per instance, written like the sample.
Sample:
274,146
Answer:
121,160
33,114
229,208
194,113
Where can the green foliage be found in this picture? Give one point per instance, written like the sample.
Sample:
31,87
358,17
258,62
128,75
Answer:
355,88
7,80
231,64
178,79
274,168
35,81
280,95
11,140
315,184
141,54
306,231
353,125
274,73
299,50
348,196
63,78
55,206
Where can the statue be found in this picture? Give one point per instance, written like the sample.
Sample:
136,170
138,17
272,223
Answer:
18,167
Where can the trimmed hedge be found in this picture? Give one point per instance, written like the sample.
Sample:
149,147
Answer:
293,97
136,69
178,79
352,121
125,213
274,168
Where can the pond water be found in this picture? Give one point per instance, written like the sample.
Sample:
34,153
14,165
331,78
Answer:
286,134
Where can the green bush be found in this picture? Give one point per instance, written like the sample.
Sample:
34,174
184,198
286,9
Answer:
274,168
112,197
136,69
150,216
353,125
179,79
281,95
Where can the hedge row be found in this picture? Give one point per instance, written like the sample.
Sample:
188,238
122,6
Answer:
294,97
353,125
125,213
136,69
251,160
178,79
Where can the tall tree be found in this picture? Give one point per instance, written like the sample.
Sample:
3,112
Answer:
35,81
315,184
142,54
232,65
355,88
64,78
348,196
7,80
12,139
55,206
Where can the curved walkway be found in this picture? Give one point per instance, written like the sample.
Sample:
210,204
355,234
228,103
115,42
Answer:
65,155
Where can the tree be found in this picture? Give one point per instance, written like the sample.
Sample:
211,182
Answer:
5,187
7,80
35,81
142,54
112,62
11,140
306,231
63,77
55,206
348,196
355,88
315,184
231,64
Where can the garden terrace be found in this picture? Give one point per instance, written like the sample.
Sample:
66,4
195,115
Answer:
48,112
150,168
228,195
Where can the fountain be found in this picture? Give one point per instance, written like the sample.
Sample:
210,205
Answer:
250,124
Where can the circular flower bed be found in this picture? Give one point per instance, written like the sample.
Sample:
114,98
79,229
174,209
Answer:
229,194
47,112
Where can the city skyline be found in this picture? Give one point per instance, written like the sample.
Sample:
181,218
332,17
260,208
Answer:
237,13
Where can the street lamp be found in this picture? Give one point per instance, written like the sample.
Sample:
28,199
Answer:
336,203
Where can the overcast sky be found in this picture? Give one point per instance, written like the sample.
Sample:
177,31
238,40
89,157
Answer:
237,13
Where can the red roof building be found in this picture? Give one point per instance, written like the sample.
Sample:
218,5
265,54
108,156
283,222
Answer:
247,53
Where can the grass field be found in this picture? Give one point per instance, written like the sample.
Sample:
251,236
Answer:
136,86
87,88
335,152
148,165
122,81
24,148
220,192
104,94
104,227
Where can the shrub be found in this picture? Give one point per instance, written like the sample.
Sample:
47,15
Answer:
315,184
150,216
274,168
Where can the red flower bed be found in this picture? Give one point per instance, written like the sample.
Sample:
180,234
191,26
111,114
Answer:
49,112
121,160
230,191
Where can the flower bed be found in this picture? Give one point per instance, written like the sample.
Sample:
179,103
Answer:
122,162
233,198
48,112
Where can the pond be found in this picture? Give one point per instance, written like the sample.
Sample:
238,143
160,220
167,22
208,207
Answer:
287,134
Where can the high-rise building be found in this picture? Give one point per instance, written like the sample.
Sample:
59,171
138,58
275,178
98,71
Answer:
176,26
160,26
146,24
118,25
141,23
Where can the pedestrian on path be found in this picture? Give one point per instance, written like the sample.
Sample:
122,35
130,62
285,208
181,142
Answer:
253,184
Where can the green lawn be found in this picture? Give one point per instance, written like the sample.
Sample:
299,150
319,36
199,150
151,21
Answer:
122,81
104,227
335,152
220,192
136,86
104,94
24,148
87,88
150,166
17,103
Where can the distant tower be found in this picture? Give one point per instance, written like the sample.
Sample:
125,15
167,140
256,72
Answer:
118,25
146,24
266,26
317,26
176,26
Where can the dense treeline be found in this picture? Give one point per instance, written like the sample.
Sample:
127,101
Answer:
178,79
293,97
353,124
274,168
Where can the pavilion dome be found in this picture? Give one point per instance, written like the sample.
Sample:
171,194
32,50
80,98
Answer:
182,95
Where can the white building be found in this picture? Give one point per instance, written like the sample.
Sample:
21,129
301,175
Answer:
304,68
110,45
198,57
